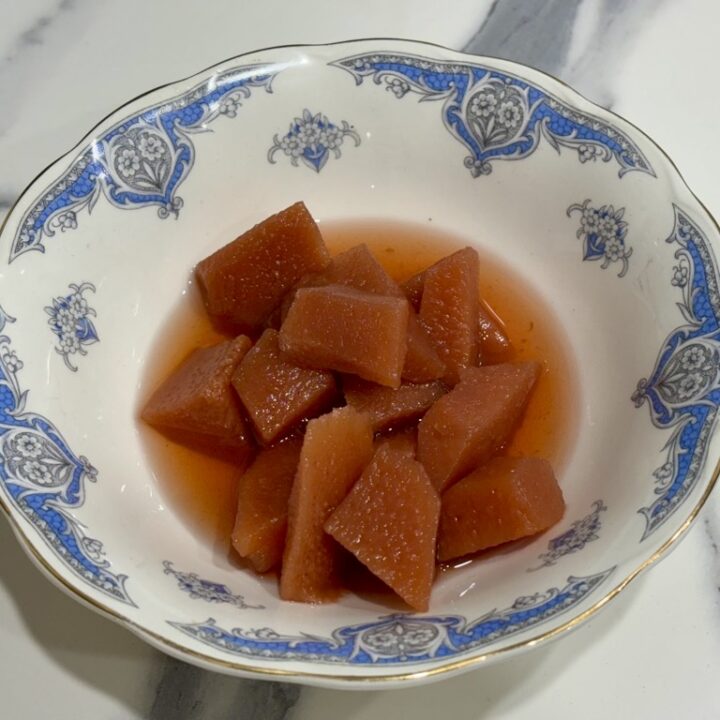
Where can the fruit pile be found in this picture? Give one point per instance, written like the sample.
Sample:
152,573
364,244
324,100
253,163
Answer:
365,417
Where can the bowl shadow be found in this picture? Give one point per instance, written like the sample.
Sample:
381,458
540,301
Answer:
91,648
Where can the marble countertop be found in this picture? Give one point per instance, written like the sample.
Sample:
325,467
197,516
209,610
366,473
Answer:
66,63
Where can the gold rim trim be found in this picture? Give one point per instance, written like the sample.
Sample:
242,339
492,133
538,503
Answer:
455,666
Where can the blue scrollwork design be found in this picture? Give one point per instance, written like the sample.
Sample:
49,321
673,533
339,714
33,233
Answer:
70,320
199,589
311,139
496,115
142,160
683,390
575,538
45,481
399,638
603,232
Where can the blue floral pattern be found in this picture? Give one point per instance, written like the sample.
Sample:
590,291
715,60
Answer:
70,320
400,638
683,390
212,592
142,160
45,480
580,533
603,232
311,139
495,115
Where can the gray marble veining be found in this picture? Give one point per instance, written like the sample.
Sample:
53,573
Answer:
536,33
606,46
184,692
710,532
711,524
31,50
35,33
711,527
583,42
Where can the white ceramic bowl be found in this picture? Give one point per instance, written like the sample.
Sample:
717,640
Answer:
581,203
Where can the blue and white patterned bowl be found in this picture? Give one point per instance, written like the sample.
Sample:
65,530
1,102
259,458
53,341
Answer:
581,203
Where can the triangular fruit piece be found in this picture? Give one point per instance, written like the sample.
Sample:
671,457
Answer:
340,328
277,393
391,408
244,281
507,499
197,406
389,522
449,310
466,427
263,494
336,449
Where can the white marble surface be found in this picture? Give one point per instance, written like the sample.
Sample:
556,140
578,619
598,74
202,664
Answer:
65,63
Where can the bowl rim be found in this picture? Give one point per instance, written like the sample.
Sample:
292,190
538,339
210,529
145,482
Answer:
335,679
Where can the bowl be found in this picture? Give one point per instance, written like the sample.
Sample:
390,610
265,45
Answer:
582,205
